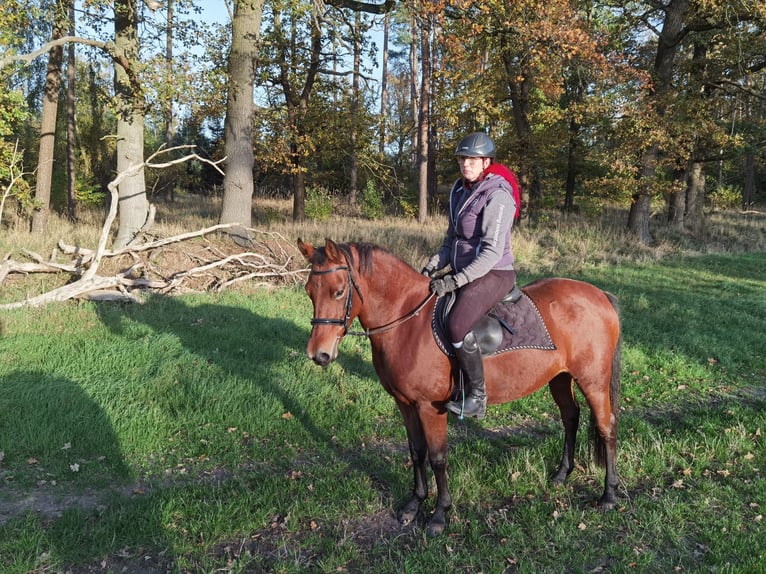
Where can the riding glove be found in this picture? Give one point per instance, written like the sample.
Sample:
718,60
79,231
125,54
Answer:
428,271
444,285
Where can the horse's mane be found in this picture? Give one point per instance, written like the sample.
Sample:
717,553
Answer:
365,251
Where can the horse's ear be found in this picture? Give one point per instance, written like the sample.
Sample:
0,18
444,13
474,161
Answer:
306,248
332,251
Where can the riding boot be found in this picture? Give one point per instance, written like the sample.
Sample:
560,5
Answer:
470,361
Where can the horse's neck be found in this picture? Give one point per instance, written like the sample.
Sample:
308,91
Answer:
392,291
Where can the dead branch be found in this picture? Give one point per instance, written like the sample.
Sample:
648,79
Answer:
161,267
216,269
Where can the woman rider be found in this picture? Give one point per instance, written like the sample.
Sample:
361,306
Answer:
477,246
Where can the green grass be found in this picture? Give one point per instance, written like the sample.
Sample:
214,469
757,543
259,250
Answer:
192,434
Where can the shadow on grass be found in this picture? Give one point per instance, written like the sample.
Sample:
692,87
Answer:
688,309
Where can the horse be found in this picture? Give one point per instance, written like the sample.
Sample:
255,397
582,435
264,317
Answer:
394,306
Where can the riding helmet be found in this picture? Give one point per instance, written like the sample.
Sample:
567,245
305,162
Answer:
476,145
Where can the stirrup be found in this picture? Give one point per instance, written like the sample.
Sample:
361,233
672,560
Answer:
458,408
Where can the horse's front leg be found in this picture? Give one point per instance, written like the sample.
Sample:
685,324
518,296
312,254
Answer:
418,455
434,425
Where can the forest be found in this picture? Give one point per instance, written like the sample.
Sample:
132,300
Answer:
655,106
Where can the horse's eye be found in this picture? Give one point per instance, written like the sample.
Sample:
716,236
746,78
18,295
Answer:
339,293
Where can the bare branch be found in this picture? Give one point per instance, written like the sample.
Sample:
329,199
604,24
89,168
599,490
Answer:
107,47
219,272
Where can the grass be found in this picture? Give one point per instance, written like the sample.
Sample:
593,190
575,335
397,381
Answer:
191,434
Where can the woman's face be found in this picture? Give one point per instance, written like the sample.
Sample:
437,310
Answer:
471,168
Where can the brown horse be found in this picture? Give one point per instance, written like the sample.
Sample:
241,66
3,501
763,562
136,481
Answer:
394,307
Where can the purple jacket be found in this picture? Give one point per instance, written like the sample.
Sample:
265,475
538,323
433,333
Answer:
478,238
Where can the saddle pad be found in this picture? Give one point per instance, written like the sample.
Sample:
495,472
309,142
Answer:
529,329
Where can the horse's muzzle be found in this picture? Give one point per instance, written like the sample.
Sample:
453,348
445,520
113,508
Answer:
322,359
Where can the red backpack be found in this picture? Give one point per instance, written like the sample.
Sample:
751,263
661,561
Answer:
502,171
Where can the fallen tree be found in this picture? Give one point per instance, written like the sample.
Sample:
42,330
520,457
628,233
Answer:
188,264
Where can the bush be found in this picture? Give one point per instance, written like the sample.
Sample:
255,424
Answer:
318,203
372,202
726,197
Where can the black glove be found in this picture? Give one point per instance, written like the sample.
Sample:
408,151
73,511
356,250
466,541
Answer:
444,285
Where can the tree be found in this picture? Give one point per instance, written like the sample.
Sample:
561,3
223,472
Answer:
293,60
129,103
424,148
71,140
48,120
238,126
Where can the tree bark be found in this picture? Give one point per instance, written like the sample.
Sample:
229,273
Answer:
168,112
667,47
572,171
353,174
424,118
529,175
677,201
133,205
71,133
48,123
238,125
694,219
384,87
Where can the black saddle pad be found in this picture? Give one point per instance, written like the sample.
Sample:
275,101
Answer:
521,324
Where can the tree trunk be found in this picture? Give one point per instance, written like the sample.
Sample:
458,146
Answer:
238,125
384,87
677,202
571,179
664,64
694,219
641,204
133,206
749,190
529,174
297,102
353,173
169,131
414,85
71,134
48,123
424,118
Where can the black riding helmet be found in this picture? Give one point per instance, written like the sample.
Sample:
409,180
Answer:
476,145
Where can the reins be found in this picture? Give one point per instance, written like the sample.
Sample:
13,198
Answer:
345,322
393,324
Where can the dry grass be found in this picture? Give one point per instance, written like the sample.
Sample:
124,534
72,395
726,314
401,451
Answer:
560,243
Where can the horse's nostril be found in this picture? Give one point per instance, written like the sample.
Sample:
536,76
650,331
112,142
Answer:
322,359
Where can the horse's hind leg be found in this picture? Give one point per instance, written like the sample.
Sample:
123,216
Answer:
563,393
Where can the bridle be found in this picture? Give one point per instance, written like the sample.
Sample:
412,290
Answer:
346,321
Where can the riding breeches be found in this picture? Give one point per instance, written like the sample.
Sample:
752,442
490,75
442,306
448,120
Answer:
475,299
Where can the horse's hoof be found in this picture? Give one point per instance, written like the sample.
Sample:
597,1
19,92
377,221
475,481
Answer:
435,528
560,477
607,504
408,514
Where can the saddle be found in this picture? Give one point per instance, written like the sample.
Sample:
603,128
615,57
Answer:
513,323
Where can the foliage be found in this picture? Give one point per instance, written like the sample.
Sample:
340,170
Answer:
564,88
726,197
371,202
319,203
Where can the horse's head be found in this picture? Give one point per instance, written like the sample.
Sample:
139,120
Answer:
331,287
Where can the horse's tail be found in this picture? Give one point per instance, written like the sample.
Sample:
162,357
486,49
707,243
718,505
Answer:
599,445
